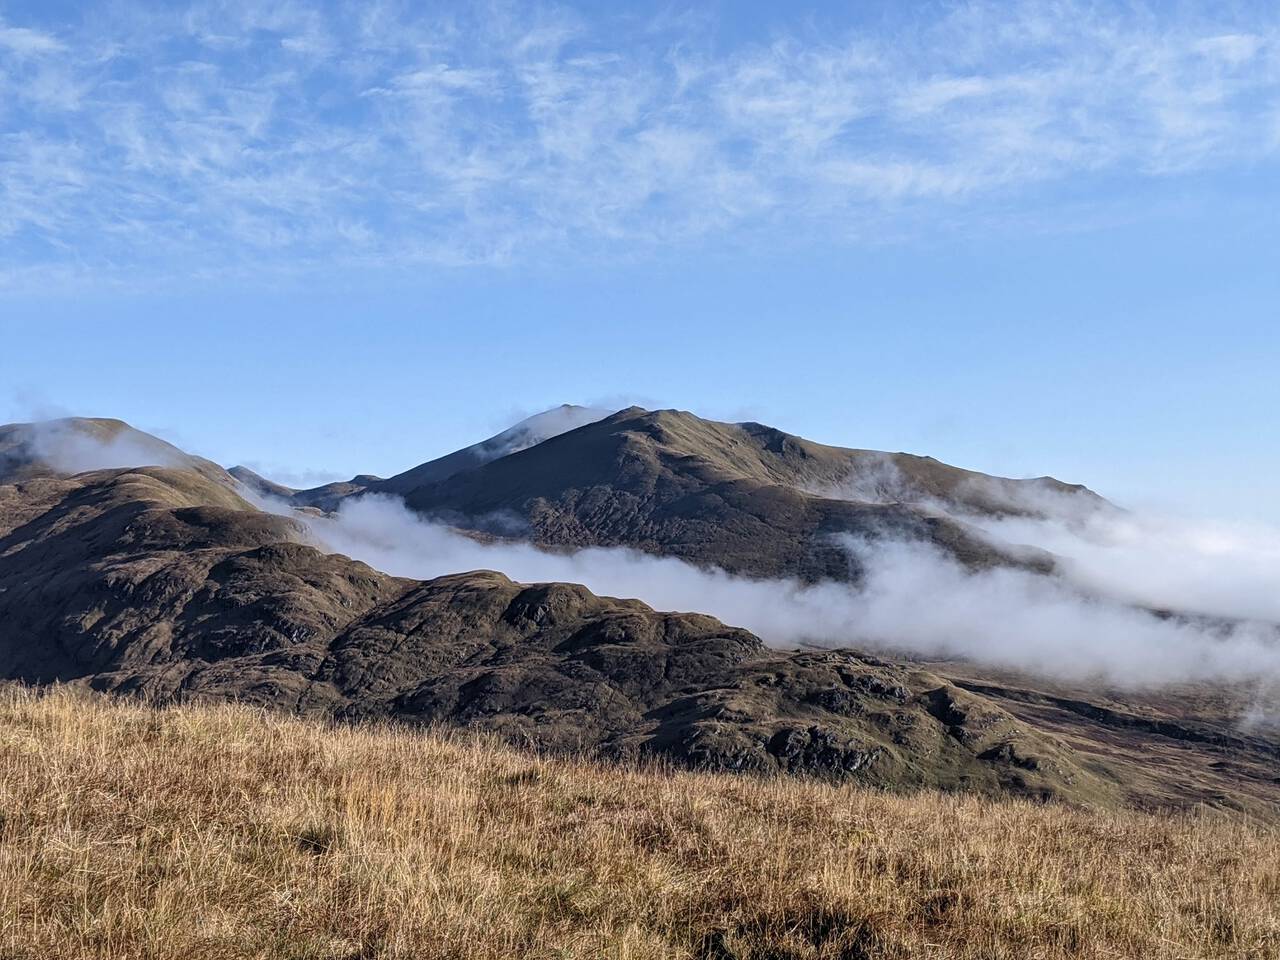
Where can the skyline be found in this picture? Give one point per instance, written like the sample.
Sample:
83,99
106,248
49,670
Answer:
1023,238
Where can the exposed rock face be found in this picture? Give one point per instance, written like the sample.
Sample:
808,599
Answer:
164,582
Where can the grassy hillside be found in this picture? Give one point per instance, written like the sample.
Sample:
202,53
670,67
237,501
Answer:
228,832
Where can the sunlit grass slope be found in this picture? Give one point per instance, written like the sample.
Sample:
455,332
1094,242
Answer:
200,832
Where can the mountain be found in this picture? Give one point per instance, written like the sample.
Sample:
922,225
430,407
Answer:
163,581
259,485
741,496
77,444
525,434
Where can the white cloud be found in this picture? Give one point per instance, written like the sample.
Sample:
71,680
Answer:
1164,562
914,600
237,136
1233,48
23,42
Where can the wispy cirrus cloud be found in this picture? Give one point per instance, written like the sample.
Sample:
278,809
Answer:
231,136
22,42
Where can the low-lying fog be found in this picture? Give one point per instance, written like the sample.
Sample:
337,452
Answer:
916,600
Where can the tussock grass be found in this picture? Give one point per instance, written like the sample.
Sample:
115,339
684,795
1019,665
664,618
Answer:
210,832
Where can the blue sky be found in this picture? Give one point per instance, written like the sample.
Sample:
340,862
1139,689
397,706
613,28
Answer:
1026,237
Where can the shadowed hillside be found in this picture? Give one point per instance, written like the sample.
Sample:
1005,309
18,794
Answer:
527,433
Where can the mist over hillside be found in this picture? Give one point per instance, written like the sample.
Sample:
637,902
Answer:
936,652
932,561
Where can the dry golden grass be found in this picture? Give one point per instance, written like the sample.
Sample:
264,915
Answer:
226,832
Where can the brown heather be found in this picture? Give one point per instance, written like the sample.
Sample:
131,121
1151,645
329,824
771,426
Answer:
202,832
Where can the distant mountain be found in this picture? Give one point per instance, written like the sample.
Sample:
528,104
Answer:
259,485
77,444
163,580
744,497
525,434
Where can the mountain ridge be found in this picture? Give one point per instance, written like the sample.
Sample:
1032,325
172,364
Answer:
736,496
526,433
161,582
167,582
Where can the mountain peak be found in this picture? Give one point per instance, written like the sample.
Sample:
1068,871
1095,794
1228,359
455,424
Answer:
73,445
526,433
259,484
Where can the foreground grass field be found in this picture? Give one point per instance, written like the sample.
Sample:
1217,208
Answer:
192,832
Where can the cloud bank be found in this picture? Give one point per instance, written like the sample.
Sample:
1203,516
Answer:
1167,562
914,601
232,136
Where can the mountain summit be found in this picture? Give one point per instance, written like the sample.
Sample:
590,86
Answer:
75,445
527,433
745,497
